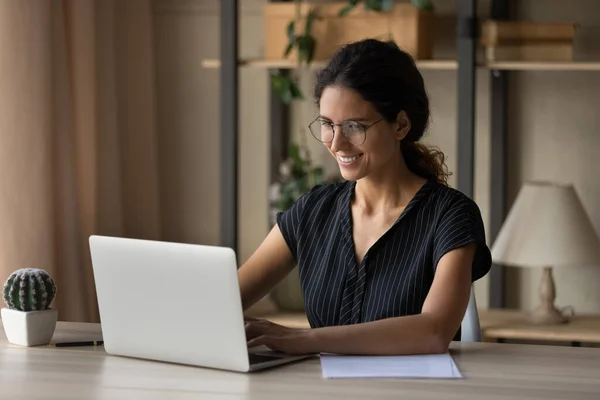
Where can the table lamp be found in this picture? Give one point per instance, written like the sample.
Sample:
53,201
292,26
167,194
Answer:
547,227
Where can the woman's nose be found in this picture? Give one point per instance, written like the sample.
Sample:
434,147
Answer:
339,140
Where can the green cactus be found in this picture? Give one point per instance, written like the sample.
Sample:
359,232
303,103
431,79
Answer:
29,289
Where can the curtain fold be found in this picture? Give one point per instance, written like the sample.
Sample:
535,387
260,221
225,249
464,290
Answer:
78,153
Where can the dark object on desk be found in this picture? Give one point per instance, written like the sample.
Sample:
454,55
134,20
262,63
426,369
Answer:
74,344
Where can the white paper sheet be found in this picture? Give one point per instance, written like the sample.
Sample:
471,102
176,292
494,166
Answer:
417,366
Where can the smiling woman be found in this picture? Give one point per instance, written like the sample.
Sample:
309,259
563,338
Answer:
387,257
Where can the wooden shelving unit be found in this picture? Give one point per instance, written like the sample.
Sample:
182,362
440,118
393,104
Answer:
464,67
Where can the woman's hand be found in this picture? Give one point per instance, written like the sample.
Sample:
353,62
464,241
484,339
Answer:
260,332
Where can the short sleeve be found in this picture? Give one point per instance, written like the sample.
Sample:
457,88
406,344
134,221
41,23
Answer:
461,224
289,221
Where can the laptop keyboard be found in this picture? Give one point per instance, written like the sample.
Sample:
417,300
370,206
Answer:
260,358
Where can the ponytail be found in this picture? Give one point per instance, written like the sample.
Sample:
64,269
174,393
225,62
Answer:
427,162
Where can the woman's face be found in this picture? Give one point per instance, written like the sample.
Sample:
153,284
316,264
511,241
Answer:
360,155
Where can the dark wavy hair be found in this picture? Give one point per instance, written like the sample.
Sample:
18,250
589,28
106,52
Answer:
388,78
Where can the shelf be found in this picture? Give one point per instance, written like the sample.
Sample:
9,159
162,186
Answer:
290,64
433,65
544,66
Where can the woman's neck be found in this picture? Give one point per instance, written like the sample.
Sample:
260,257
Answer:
389,191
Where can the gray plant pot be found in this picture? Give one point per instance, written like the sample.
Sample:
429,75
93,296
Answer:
29,328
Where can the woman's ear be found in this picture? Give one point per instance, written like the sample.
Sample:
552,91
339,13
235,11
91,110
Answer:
403,125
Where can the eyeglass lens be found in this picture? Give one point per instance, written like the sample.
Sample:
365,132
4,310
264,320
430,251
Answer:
324,131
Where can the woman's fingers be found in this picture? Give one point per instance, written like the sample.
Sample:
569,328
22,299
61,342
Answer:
269,334
261,340
272,342
251,331
256,328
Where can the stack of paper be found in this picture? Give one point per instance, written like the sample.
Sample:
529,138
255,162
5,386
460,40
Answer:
417,366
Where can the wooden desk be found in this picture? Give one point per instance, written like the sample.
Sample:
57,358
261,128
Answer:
491,371
501,324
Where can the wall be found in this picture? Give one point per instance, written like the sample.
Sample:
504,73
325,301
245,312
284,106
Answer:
548,112
186,33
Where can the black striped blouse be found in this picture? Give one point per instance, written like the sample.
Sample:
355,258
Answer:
396,273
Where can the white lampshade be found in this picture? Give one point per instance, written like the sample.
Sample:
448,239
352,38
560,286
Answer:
547,227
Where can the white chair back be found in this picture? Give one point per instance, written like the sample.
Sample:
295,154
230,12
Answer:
470,328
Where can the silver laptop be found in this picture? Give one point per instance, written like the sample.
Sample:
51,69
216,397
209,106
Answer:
174,302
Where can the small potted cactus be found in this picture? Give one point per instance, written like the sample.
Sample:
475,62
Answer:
29,320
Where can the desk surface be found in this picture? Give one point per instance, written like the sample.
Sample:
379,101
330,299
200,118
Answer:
512,324
502,324
490,370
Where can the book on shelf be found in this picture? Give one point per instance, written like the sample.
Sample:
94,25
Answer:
502,33
544,51
527,40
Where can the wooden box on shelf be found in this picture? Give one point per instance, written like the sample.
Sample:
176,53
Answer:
527,41
409,27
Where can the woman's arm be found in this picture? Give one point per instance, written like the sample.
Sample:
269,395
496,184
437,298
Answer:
428,332
425,333
269,264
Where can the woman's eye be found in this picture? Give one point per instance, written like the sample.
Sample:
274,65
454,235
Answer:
352,126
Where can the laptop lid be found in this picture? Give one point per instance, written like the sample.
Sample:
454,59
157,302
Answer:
170,302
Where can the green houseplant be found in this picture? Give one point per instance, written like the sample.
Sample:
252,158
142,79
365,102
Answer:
28,319
286,85
300,37
298,175
384,5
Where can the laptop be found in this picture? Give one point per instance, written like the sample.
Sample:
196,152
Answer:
174,302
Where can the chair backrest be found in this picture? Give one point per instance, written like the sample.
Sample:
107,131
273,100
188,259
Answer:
470,328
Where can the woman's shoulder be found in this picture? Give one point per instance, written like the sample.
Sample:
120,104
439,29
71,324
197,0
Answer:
322,198
319,199
446,198
327,190
317,204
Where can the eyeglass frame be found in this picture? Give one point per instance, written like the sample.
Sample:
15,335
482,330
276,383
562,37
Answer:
332,125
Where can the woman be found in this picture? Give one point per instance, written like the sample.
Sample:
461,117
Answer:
387,257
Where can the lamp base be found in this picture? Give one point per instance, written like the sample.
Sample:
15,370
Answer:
546,313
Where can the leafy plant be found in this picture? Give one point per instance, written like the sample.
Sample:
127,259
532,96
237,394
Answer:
424,5
305,42
384,5
297,176
286,85
29,289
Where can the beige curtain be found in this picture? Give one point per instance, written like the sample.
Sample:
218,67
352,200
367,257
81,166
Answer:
78,146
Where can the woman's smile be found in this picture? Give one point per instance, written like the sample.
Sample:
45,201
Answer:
346,161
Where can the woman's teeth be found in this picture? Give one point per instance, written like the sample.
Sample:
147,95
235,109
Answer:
348,159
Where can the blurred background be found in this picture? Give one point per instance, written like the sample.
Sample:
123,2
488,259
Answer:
111,123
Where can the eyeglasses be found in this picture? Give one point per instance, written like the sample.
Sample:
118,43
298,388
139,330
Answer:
354,132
